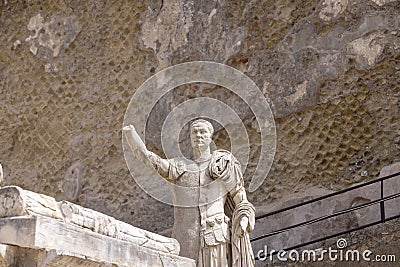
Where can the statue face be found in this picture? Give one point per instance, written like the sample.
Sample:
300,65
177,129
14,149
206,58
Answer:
200,135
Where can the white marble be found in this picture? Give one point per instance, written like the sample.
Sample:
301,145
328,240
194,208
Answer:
15,201
204,188
45,241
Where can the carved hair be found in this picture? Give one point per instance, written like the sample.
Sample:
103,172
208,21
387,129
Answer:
207,123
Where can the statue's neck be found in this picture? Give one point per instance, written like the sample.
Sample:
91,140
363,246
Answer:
202,155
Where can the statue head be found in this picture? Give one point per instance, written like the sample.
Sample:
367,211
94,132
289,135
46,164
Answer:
201,132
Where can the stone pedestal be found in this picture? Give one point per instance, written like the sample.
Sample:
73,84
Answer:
70,235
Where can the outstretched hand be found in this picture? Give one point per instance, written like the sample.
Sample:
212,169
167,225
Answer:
134,140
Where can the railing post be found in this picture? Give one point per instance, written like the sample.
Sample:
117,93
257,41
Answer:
382,204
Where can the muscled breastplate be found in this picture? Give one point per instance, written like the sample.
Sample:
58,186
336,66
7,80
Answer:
194,225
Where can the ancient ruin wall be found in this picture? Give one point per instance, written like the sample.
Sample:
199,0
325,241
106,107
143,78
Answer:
330,70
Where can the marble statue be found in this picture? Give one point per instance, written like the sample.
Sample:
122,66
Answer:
216,233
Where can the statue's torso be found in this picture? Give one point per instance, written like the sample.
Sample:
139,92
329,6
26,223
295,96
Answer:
196,227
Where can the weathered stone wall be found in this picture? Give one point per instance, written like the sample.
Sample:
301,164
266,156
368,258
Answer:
330,70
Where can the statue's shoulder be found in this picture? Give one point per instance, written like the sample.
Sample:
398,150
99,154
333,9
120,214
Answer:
222,153
222,164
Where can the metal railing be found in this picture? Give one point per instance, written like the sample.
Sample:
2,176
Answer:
381,201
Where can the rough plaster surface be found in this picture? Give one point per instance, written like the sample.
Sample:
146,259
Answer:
166,30
330,70
367,48
332,8
58,33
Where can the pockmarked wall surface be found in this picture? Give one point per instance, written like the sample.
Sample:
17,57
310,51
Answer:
329,69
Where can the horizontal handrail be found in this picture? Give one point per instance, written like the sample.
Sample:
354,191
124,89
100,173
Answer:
328,216
328,196
332,236
380,201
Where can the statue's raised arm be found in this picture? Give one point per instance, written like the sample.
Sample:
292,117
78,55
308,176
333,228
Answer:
139,149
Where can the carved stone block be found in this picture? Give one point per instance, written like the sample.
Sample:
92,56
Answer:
48,242
14,201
